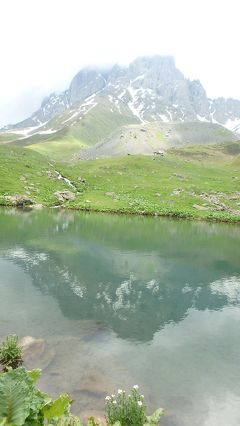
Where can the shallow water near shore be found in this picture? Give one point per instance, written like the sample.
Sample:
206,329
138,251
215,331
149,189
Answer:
127,300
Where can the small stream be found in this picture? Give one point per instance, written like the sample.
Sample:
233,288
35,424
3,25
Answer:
65,179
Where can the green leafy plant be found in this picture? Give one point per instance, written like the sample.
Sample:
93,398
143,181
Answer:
21,403
123,410
11,352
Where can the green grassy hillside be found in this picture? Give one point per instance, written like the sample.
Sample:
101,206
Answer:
7,137
108,129
179,184
23,171
73,135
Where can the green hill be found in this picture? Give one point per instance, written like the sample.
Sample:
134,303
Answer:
107,130
70,134
178,184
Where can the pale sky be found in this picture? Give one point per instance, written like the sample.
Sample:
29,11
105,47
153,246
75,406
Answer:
44,43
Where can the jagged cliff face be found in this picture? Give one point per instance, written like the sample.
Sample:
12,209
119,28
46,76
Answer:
84,84
150,89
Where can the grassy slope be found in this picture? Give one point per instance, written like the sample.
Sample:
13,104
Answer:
60,149
101,121
26,172
131,184
117,134
7,137
141,185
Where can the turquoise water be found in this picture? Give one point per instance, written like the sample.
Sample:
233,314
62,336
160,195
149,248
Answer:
128,300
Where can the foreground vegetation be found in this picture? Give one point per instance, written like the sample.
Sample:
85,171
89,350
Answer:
22,403
196,182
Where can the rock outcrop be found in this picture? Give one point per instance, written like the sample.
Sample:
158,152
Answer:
36,352
19,200
64,195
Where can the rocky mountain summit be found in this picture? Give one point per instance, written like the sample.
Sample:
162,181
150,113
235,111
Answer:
150,89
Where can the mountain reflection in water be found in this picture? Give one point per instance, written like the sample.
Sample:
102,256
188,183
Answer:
134,275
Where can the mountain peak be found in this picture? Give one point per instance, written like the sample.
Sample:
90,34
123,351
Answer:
153,61
149,89
157,67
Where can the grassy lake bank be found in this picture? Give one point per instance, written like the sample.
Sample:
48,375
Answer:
194,182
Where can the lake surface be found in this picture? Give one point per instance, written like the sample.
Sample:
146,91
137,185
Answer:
128,300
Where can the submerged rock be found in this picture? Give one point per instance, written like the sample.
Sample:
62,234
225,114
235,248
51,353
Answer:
36,352
94,385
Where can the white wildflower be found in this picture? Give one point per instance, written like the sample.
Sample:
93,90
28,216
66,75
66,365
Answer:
107,398
113,396
120,391
114,402
142,396
136,387
140,403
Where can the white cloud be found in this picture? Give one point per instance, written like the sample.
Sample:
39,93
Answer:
45,42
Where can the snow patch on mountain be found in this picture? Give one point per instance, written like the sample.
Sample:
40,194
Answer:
233,125
203,119
116,101
90,108
140,77
28,131
164,118
83,109
136,109
123,93
46,132
75,114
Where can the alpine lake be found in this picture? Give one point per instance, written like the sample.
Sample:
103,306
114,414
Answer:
115,301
